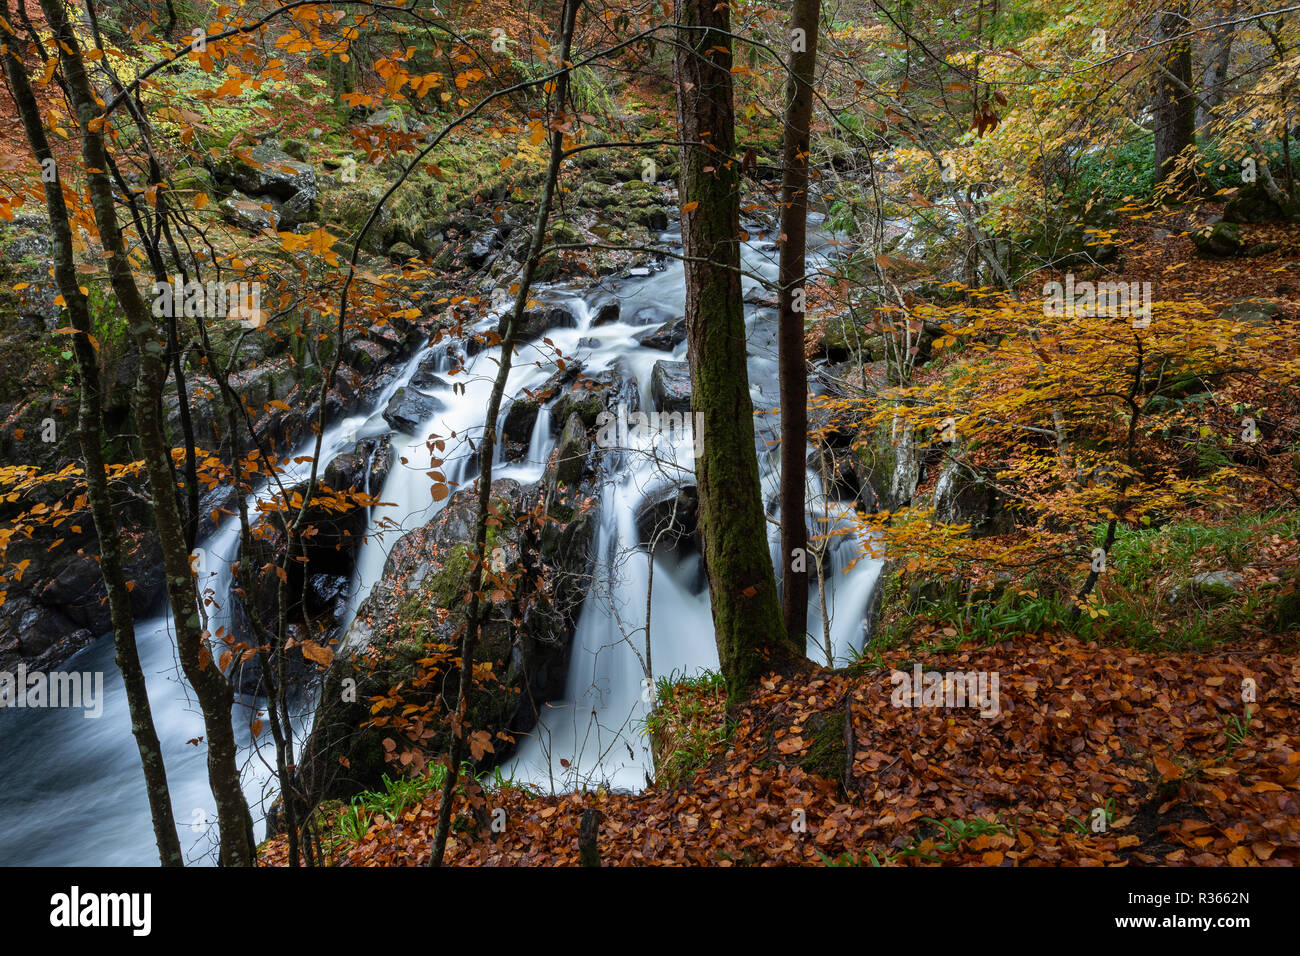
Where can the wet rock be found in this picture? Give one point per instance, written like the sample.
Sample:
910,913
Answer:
665,338
427,570
408,409
656,315
604,309
670,516
670,386
536,322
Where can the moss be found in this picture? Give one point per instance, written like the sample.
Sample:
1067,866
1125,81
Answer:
828,757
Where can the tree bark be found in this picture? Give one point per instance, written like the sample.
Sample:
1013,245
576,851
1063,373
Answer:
211,687
1175,107
89,418
790,316
747,622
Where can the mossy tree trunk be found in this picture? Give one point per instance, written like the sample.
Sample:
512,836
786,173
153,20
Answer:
90,434
211,688
742,586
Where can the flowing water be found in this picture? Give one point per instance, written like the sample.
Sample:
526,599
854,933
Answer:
72,788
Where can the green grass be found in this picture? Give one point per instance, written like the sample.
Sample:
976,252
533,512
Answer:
1142,600
686,722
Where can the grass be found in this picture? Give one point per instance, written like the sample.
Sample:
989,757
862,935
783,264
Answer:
687,721
1143,600
941,836
351,821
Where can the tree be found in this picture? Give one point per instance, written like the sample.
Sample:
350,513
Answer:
1175,105
487,446
211,687
790,310
90,436
742,586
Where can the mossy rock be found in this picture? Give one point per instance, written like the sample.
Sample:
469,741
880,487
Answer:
828,757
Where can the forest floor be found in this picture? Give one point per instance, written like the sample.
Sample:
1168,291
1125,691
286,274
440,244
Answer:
1096,756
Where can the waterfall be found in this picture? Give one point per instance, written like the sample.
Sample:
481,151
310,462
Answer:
73,789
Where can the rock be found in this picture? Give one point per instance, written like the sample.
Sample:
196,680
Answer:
403,251
426,375
1253,205
520,419
588,343
670,514
656,315
408,409
536,322
427,571
570,454
759,296
1221,241
1260,312
665,338
266,171
253,215
1262,249
298,671
604,309
300,208
481,250
224,501
670,386
1213,587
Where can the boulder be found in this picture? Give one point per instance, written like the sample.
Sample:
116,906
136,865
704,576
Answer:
526,639
255,215
408,409
266,171
670,515
1223,239
603,309
666,337
538,321
670,386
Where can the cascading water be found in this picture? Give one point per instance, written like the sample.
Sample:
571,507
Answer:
73,790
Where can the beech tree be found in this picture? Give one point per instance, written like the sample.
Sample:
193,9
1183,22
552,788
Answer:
750,634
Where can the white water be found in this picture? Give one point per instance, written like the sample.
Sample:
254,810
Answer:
73,790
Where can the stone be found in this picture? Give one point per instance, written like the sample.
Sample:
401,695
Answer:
666,337
408,409
670,386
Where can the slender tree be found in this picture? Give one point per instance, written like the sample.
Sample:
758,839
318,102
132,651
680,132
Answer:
742,586
211,687
1175,104
790,311
90,436
475,613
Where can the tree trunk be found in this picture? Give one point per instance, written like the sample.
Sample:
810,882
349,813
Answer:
211,687
89,419
742,587
1175,106
790,311
487,447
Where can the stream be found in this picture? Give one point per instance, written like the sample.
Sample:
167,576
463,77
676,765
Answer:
73,790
